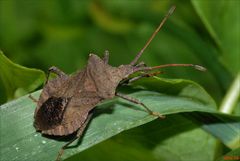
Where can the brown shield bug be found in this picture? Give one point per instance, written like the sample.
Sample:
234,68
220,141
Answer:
66,103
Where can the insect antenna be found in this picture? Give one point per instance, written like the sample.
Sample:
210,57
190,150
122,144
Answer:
197,67
171,10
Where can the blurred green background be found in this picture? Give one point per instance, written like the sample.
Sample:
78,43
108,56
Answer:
41,34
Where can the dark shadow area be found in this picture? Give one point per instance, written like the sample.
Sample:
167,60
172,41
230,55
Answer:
147,135
202,118
61,138
96,113
169,127
107,108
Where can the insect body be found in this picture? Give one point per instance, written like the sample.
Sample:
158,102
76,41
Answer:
66,103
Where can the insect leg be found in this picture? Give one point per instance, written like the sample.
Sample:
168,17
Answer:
55,70
78,135
32,98
139,103
141,64
144,75
106,56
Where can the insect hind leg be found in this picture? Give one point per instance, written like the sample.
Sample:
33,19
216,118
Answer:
133,100
78,135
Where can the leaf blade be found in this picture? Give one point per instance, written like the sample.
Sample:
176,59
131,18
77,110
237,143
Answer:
111,118
18,80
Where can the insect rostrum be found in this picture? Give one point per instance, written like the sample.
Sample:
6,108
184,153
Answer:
67,101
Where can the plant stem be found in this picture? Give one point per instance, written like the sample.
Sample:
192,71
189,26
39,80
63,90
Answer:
231,98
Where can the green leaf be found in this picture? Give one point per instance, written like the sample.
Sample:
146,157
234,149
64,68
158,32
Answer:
111,118
18,80
215,124
174,138
208,121
221,19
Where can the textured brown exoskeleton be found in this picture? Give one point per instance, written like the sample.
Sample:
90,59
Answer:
66,102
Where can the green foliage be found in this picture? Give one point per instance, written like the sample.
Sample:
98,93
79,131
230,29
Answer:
18,80
224,29
116,116
173,139
44,33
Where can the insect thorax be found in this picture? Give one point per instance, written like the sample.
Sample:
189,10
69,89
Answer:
105,77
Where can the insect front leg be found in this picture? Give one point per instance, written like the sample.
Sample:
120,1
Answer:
143,75
78,135
106,56
140,103
32,98
56,71
141,64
